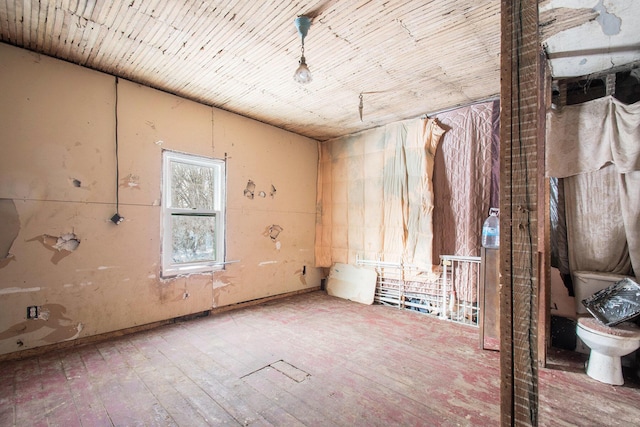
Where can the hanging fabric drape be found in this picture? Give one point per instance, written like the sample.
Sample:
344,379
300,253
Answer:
585,137
595,147
409,192
375,195
595,230
419,151
323,208
466,170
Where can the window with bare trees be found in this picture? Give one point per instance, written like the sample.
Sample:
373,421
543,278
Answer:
193,197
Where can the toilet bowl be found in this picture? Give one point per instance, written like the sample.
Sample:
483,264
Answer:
607,344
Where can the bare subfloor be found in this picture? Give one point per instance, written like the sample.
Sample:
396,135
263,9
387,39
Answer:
304,360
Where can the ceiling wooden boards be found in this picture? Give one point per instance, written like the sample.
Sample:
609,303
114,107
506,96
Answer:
419,56
409,57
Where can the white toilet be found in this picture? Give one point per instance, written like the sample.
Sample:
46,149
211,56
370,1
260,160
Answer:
607,344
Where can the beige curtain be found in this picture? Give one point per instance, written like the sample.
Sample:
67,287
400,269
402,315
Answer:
375,195
420,152
595,146
585,137
595,229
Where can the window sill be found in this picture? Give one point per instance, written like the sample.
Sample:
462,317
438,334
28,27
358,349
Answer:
187,270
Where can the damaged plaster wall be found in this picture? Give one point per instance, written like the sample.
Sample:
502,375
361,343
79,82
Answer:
9,231
283,166
582,38
60,252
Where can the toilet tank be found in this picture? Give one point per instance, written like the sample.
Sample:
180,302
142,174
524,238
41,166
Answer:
587,283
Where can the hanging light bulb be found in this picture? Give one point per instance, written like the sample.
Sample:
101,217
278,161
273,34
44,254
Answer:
302,74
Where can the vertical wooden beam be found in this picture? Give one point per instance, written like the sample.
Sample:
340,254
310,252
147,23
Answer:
519,135
610,82
544,217
562,98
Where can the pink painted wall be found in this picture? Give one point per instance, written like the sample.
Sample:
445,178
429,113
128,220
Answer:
57,176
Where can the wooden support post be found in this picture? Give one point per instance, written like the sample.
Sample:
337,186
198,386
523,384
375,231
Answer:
610,82
544,218
519,136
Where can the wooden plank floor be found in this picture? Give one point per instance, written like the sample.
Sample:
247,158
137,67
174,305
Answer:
308,360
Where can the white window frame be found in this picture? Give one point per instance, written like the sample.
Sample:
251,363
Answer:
169,267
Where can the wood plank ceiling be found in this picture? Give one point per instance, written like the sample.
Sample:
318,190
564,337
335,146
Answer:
409,57
418,56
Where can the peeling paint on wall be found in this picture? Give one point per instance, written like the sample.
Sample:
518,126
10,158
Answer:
67,242
51,321
273,231
5,261
302,275
220,279
221,283
216,296
130,181
81,285
609,22
9,231
99,268
62,246
176,289
249,190
18,290
90,280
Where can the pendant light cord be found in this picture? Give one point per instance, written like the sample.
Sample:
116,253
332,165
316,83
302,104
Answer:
117,165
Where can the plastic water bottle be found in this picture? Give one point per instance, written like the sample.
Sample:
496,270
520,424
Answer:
491,230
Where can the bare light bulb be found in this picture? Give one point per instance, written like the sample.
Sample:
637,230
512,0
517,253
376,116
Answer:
302,74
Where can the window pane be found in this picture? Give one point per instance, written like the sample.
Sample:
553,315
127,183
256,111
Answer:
192,186
193,238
